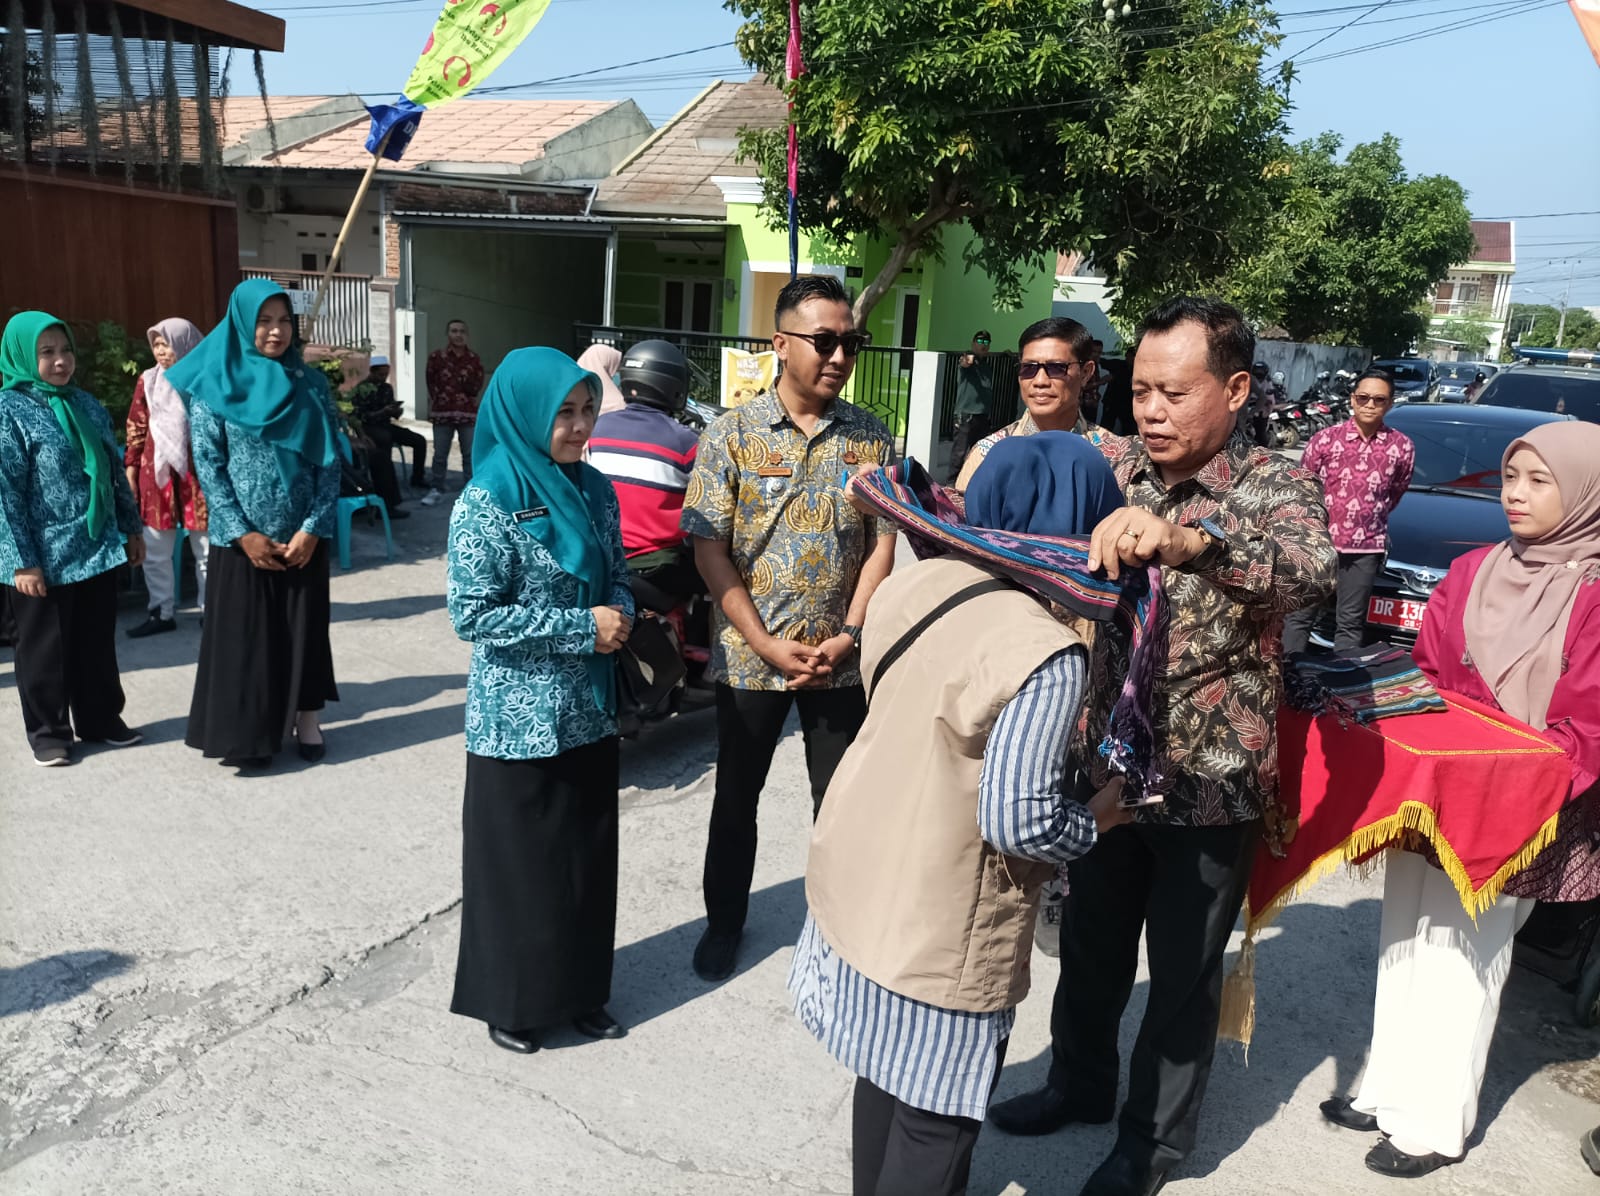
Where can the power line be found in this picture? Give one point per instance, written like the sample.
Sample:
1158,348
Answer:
1361,16
1435,31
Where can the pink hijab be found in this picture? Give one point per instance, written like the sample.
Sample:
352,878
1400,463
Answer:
169,414
1522,598
605,360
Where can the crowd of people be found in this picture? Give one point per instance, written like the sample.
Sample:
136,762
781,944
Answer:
949,712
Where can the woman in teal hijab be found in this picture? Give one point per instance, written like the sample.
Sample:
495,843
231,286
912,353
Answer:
538,584
67,521
264,440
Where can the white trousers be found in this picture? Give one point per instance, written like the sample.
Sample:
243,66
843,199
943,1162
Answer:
1439,982
159,576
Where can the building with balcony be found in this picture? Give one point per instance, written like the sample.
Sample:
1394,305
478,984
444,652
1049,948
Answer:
1477,292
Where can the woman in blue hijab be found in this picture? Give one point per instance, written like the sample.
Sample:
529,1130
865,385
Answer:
944,820
538,584
265,448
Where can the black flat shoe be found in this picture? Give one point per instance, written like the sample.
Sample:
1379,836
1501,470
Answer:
247,762
1120,1175
1589,1146
716,955
1388,1159
1341,1112
154,625
519,1042
599,1024
1044,1111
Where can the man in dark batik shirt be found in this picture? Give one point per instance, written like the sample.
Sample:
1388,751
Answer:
1243,539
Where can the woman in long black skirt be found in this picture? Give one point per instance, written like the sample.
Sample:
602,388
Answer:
538,584
265,447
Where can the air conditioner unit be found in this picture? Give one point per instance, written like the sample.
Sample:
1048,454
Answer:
262,199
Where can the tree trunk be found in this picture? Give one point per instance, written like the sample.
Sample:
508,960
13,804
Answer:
901,254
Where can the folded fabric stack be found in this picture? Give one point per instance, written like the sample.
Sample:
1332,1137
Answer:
1381,682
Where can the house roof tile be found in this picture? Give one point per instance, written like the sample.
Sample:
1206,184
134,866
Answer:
1494,241
672,172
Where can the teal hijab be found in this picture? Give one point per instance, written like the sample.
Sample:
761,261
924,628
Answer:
558,505
19,368
282,401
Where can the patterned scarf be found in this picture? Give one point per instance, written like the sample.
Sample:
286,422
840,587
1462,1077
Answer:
1055,570
169,414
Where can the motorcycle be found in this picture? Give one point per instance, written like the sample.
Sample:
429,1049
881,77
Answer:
1282,429
664,663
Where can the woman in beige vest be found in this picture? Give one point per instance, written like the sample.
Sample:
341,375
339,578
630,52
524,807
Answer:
942,822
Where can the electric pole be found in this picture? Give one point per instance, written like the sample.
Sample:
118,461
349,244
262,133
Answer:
1561,325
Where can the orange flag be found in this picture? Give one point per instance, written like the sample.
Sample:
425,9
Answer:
1588,14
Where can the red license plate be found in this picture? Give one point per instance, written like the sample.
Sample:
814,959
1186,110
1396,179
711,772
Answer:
1396,612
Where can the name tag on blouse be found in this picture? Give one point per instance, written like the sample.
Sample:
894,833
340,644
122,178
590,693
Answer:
532,513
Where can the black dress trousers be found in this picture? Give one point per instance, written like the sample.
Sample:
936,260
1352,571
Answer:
66,661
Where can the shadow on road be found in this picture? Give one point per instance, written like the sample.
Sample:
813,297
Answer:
387,608
56,978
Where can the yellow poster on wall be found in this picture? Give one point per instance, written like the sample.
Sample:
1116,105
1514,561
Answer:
746,374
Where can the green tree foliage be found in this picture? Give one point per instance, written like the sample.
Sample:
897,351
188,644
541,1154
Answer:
109,364
1142,141
1355,247
1535,325
1468,332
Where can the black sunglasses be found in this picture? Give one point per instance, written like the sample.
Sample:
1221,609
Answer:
826,342
1052,369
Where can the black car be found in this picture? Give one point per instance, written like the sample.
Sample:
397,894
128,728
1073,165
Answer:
1451,507
1414,379
1559,389
1455,376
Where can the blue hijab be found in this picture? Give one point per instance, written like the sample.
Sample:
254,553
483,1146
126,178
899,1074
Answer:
282,401
1047,484
558,505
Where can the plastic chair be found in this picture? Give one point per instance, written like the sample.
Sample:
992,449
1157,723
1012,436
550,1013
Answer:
347,509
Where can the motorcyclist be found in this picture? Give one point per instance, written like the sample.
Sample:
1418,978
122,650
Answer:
1475,385
1280,389
649,454
1261,403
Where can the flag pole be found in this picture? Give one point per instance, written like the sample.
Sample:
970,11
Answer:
344,232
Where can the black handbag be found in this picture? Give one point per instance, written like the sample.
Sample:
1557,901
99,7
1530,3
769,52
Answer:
650,669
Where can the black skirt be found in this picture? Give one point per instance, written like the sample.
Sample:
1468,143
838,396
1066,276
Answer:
538,887
264,654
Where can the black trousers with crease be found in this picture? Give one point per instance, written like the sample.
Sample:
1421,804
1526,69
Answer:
66,661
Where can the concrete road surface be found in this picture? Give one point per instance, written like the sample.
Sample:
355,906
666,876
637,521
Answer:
214,984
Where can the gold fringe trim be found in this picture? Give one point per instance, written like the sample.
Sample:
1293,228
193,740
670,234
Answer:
1238,1018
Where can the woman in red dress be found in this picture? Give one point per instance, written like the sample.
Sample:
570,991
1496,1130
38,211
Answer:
1515,626
162,476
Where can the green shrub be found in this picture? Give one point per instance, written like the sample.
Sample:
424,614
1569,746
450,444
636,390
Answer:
109,365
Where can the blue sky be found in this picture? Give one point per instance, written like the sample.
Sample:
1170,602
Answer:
1508,108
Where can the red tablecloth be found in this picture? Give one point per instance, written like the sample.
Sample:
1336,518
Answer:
1482,788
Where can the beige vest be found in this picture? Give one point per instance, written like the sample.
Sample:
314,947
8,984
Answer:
899,881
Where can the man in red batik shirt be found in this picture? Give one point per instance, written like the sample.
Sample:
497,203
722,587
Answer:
455,379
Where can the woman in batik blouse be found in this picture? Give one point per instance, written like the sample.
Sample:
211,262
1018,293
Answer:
538,584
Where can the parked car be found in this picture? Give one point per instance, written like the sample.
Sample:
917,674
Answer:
1456,376
1451,507
1414,380
1559,389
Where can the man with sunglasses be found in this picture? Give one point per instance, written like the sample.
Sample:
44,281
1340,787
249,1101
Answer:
791,566
1056,361
1365,467
974,389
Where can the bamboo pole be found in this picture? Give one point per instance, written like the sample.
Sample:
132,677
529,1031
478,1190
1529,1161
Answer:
344,232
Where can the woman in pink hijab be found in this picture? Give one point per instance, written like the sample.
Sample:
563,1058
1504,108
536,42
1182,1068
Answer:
1517,626
162,477
604,361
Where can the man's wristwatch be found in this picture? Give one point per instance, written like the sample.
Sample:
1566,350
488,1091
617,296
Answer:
1216,539
853,632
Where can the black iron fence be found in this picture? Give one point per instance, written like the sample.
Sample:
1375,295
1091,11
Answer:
881,383
1005,395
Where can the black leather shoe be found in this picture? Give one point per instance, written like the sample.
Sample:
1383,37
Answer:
599,1024
1388,1159
716,954
1120,1175
1043,1111
154,625
1340,1111
311,753
247,762
1589,1145
520,1042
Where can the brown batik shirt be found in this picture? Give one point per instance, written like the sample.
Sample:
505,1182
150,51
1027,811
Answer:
1216,702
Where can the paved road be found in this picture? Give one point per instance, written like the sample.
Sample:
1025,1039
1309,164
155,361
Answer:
219,985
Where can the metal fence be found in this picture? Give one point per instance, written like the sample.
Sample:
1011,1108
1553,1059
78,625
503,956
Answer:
881,383
1005,394
345,321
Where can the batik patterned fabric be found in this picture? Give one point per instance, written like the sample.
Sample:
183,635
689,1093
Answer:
777,498
1056,570
529,694
1362,480
455,378
1093,433
44,494
1216,702
238,473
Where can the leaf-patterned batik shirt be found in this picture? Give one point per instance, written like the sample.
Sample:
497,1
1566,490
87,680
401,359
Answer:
776,497
1216,702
